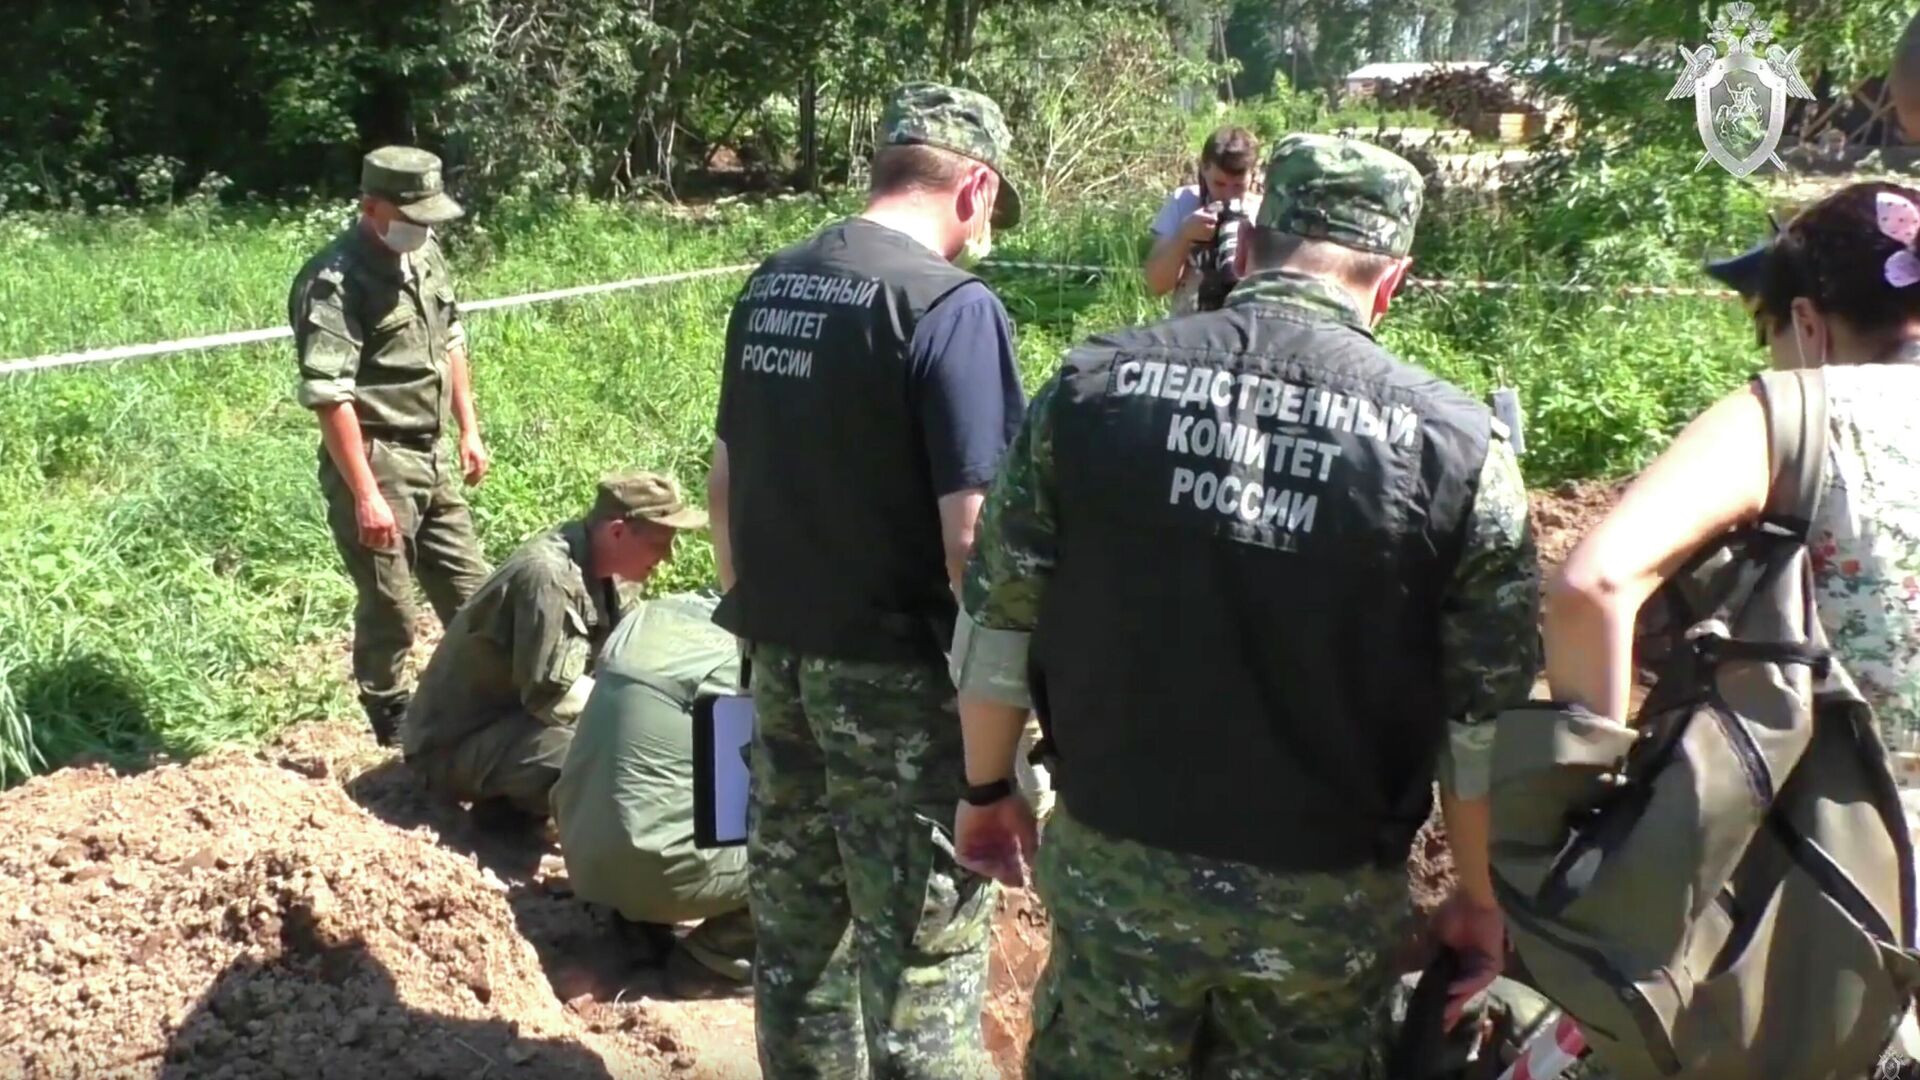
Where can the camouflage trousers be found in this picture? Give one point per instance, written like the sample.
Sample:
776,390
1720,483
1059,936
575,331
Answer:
516,758
437,544
1172,965
872,943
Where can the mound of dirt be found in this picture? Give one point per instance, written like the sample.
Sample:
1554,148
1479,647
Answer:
230,919
1565,514
711,1038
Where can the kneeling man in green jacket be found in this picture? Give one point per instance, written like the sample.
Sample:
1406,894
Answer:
624,801
494,711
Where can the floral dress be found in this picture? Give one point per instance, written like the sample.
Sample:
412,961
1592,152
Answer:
1866,546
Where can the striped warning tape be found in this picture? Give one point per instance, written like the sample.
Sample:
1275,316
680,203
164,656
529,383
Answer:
1663,291
1552,1052
250,337
1444,284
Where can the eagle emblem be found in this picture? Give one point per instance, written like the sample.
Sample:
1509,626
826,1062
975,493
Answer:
1740,98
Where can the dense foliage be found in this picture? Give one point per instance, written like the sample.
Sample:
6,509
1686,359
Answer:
116,101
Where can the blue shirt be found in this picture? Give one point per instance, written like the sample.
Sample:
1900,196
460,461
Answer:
966,387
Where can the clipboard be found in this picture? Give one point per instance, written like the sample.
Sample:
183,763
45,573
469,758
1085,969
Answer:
722,731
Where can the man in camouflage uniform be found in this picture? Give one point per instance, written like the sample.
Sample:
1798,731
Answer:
383,366
1247,566
868,394
493,717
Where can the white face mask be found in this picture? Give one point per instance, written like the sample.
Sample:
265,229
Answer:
405,236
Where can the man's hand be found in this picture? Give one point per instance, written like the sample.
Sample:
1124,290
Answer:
378,529
474,459
1479,934
997,840
1200,226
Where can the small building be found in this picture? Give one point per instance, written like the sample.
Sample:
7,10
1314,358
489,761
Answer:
1368,81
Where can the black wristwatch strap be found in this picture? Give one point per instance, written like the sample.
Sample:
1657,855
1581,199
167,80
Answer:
988,794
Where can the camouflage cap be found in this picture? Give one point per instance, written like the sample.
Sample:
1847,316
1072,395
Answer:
1346,191
963,121
645,496
409,178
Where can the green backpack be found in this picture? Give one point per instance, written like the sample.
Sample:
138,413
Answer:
1725,889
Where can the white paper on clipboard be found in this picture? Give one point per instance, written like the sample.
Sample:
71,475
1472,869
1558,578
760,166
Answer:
723,784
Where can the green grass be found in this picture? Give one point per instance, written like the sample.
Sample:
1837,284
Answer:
170,584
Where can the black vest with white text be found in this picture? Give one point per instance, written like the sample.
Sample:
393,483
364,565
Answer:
835,525
1237,654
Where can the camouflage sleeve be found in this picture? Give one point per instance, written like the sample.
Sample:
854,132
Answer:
456,330
327,338
1490,622
552,651
1013,554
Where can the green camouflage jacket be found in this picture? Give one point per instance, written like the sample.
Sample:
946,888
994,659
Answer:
528,641
1490,632
376,329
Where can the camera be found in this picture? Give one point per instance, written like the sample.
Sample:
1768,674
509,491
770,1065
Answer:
1217,276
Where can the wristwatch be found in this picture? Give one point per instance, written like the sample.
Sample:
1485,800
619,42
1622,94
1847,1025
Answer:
988,794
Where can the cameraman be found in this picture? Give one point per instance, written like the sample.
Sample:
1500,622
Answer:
1184,229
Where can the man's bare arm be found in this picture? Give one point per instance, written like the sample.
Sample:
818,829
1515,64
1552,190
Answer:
959,513
1166,264
463,409
719,483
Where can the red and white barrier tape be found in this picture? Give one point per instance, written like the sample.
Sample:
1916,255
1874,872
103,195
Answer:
250,337
1550,1053
1445,284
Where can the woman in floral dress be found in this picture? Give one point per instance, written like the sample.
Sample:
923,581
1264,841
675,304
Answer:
1838,288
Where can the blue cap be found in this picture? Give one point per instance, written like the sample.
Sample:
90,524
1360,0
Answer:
1744,272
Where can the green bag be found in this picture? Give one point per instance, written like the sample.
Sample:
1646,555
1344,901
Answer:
1726,888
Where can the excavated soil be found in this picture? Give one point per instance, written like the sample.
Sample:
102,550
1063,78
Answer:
310,912
314,914
229,919
1560,516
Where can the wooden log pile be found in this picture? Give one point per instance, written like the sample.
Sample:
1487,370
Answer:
1491,108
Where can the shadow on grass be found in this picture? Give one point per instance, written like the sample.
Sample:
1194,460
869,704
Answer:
86,706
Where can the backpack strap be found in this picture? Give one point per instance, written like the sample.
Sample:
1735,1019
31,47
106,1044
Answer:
1796,405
